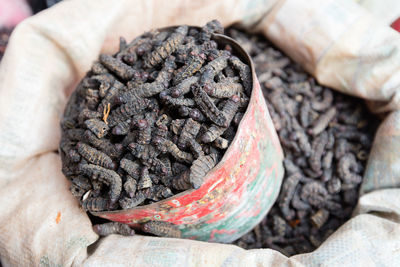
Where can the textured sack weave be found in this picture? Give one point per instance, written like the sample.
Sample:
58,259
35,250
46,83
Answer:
40,221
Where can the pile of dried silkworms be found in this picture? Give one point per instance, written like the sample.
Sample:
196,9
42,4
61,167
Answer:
326,137
153,119
4,36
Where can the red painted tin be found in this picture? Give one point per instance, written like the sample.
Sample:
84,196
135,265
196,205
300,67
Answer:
238,192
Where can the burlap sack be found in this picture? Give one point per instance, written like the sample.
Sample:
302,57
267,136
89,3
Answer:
41,223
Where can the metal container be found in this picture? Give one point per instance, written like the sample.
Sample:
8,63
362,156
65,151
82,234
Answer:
238,192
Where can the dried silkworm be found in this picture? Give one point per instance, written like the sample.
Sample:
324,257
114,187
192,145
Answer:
131,167
98,127
167,47
130,186
189,131
116,66
110,228
244,73
95,156
288,189
107,176
182,181
129,203
322,122
162,229
200,168
193,65
346,169
318,147
314,193
184,86
95,204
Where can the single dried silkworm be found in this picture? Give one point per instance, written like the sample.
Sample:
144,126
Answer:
118,67
95,156
110,228
162,229
167,47
200,167
107,176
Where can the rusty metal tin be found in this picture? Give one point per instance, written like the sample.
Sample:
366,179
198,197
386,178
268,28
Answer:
238,192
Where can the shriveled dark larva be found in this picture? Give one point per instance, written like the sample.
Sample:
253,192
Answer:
95,156
303,142
122,70
224,89
209,71
144,134
183,87
244,73
111,95
347,168
194,63
98,127
318,147
104,145
167,47
106,176
229,110
320,124
126,111
169,100
162,229
95,204
211,27
195,148
305,114
297,203
143,152
200,168
131,167
129,203
173,149
130,186
110,228
145,180
314,193
161,82
182,181
287,191
326,101
189,132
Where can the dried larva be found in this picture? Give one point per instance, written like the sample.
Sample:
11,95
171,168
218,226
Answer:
110,228
98,127
129,203
107,176
167,47
130,186
95,204
95,156
117,66
200,168
162,229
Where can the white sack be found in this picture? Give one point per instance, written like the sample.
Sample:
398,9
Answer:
41,222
